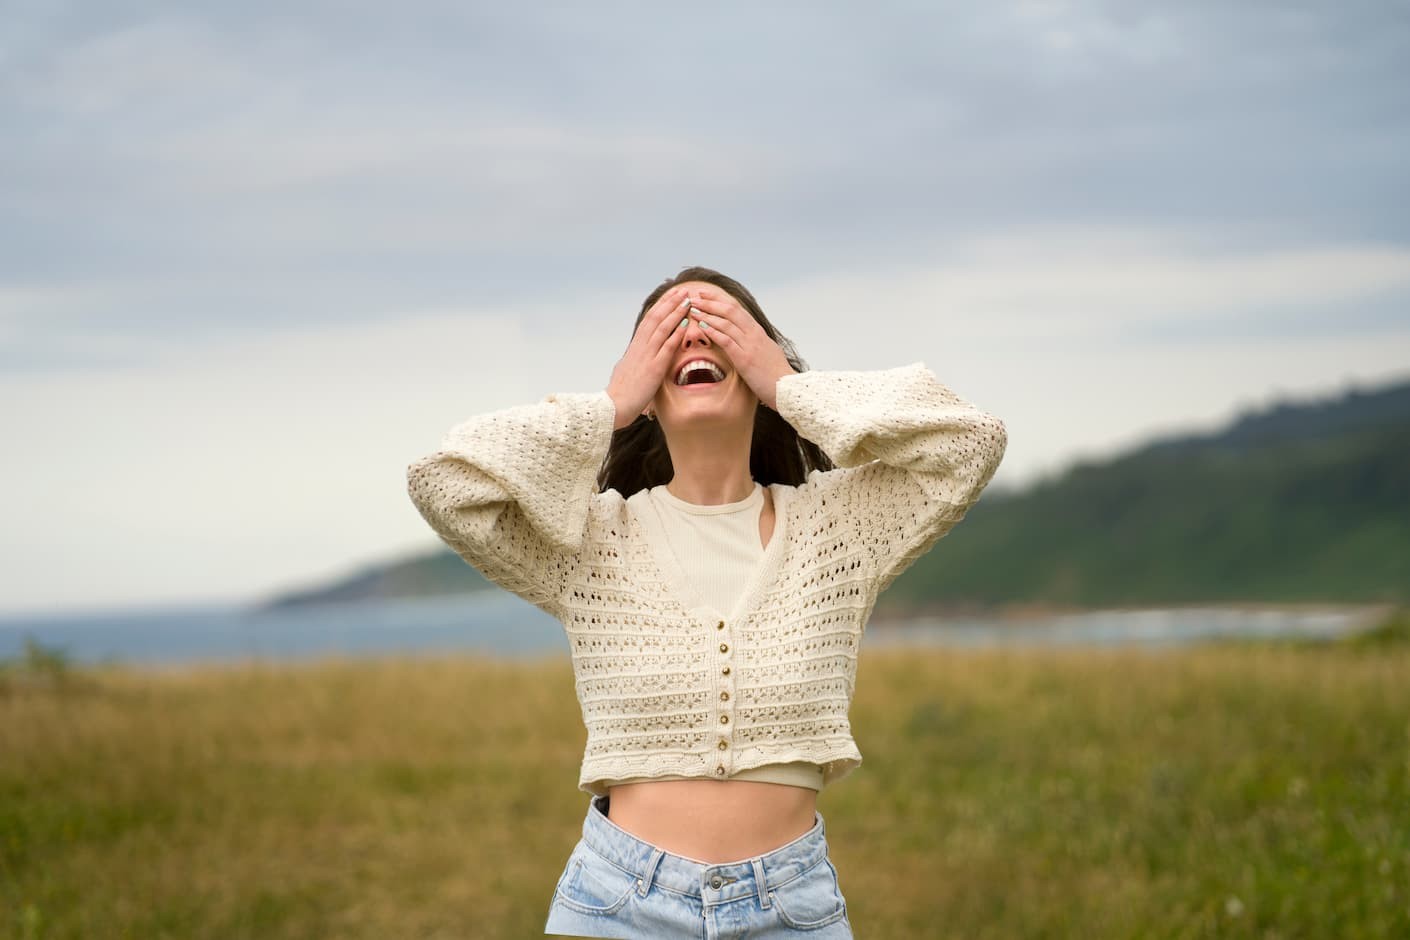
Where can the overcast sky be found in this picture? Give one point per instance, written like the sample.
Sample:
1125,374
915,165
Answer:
254,258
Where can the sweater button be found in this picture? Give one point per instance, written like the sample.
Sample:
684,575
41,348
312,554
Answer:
720,772
724,696
724,719
725,671
723,744
724,647
720,625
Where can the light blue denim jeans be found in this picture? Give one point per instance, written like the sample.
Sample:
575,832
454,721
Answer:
616,885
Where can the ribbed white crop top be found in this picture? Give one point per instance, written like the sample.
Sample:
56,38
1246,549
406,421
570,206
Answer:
718,546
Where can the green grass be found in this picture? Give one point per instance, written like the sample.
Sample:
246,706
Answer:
1393,631
1241,791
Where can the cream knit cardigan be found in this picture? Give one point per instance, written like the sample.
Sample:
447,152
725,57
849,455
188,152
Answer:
667,685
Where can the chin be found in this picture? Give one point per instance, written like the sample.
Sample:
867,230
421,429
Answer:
692,416
728,406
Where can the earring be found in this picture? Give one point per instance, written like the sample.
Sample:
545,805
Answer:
651,416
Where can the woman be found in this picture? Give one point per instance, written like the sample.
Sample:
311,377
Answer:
713,530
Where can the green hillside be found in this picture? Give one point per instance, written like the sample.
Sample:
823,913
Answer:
440,571
1296,504
1299,502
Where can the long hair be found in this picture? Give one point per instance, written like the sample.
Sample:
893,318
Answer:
638,458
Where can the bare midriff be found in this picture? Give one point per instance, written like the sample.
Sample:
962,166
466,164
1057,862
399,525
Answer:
713,821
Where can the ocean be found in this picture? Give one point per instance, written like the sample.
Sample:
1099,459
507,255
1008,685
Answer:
500,624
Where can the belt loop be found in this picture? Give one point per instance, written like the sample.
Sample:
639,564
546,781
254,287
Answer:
644,882
759,882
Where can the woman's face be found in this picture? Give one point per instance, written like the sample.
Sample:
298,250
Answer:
702,405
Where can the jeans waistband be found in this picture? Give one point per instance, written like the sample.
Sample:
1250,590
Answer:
712,883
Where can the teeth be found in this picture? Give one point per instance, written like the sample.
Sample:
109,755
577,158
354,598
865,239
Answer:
695,363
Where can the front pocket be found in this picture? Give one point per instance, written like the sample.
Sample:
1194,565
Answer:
594,885
811,900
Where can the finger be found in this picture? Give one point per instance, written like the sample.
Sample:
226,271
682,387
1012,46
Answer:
718,307
663,319
723,303
658,352
666,303
724,315
721,330
659,311
714,293
672,321
725,309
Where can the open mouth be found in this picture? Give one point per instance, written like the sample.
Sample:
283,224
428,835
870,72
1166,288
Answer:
699,372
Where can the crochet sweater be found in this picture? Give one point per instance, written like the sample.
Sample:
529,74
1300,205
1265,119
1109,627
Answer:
667,685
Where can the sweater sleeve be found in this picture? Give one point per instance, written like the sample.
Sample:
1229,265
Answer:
511,490
911,456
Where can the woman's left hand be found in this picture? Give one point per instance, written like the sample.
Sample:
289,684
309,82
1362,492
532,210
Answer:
755,356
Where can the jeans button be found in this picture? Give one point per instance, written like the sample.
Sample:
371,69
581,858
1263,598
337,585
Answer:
716,881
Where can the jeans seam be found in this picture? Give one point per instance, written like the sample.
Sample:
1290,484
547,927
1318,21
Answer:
780,884
572,903
604,858
839,915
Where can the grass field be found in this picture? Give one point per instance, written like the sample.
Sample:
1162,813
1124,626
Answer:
1247,790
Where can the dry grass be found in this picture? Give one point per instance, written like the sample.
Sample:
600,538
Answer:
1248,791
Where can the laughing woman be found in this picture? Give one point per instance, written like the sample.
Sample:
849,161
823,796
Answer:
712,530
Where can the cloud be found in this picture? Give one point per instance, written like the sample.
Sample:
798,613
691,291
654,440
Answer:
238,239
1077,281
210,140
243,467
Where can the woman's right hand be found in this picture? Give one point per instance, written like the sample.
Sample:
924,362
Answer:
643,367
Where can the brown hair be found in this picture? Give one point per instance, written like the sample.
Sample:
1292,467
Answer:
637,457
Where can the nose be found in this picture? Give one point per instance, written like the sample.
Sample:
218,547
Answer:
695,334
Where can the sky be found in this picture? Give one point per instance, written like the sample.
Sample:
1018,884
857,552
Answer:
255,258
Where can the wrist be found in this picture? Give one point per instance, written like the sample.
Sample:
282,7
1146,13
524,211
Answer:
623,417
773,391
